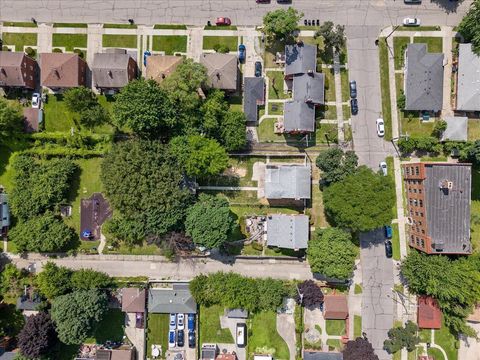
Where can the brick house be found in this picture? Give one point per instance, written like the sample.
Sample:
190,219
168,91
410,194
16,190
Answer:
17,70
62,71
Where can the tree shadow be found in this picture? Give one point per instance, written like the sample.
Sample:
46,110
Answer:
449,6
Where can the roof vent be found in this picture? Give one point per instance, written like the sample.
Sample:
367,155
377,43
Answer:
218,75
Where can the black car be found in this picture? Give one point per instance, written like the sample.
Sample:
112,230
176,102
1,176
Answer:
354,106
353,89
180,338
191,339
258,68
388,249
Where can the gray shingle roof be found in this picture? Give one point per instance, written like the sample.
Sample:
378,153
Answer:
320,355
287,231
457,129
237,313
424,79
287,182
177,299
4,211
448,212
300,59
254,94
111,70
298,116
468,87
222,70
309,88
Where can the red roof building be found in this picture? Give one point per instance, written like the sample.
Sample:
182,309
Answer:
429,315
335,307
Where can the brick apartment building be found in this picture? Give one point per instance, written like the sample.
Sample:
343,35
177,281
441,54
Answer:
438,205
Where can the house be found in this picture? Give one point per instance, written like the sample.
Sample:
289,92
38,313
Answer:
62,70
237,314
32,118
115,354
160,67
28,303
320,355
111,71
222,70
423,79
227,356
287,181
429,315
4,213
309,88
468,79
298,117
438,205
335,307
208,352
254,95
288,231
17,70
457,129
134,302
176,299
300,59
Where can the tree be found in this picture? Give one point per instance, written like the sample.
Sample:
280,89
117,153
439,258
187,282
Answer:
281,23
209,221
362,201
38,336
233,135
333,36
401,100
402,337
54,280
199,156
79,99
469,28
144,108
43,233
213,110
359,349
143,182
311,294
88,279
473,153
174,242
13,281
336,164
331,253
94,116
439,128
77,314
11,118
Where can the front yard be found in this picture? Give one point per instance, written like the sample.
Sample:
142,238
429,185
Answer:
170,44
120,41
434,44
69,41
335,327
157,331
264,338
231,42
20,40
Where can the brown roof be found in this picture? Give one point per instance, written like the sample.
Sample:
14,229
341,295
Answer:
59,70
116,354
475,315
133,300
222,70
31,119
161,66
226,356
11,73
335,307
429,315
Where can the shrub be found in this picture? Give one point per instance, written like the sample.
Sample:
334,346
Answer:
30,52
57,50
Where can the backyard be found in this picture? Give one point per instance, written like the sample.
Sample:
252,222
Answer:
110,328
157,332
209,326
276,85
170,44
264,338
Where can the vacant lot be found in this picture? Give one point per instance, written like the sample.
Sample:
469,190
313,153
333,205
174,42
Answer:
210,330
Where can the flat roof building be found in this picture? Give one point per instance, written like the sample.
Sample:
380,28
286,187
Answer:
468,79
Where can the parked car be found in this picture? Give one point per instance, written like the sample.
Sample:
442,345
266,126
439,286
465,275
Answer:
36,100
171,339
241,53
388,249
180,321
180,338
354,106
191,339
412,1
258,68
173,322
388,231
263,1
223,21
383,167
241,338
380,127
353,89
191,322
411,22
284,1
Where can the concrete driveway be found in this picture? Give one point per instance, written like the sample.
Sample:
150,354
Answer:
231,324
135,335
470,349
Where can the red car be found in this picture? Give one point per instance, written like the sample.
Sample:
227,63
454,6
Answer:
221,21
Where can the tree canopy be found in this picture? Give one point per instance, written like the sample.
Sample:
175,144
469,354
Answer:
281,23
309,294
38,336
88,279
363,201
54,280
359,349
331,253
11,118
469,28
336,164
402,337
209,221
79,99
333,36
233,135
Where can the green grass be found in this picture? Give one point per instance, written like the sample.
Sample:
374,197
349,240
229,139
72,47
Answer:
214,27
347,130
335,327
399,46
473,130
143,249
395,242
434,44
275,108
436,353
235,103
357,326
209,326
474,223
72,25
170,26
445,339
210,41
335,344
57,117
6,171
20,40
120,41
329,85
331,130
415,127
276,85
119,26
425,335
111,327
399,80
274,251
170,43
434,158
264,338
345,85
347,113
20,24
271,48
385,89
69,41
358,289
418,28
328,112
157,332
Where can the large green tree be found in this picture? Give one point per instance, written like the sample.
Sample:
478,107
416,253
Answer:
11,118
362,201
77,314
54,280
336,164
359,349
88,279
333,36
79,99
233,134
469,28
402,337
209,221
331,253
281,23
38,336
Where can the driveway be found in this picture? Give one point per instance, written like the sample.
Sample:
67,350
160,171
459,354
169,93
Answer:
470,349
231,324
377,303
286,329
135,335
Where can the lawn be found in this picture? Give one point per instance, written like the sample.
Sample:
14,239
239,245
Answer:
275,108
474,223
120,41
157,332
445,339
347,114
473,130
326,112
235,103
57,117
20,40
69,41
230,41
434,44
329,85
437,354
214,27
335,327
347,131
345,85
415,127
418,28
111,327
385,89
276,85
357,326
170,44
395,242
399,83
170,26
72,25
143,249
330,130
358,289
334,344
209,326
271,48
264,338
119,26
399,46
20,24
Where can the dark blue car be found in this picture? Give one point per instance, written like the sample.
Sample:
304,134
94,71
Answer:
241,53
388,231
191,322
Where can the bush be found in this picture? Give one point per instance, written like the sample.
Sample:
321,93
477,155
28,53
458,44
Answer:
30,52
401,101
57,50
80,53
257,246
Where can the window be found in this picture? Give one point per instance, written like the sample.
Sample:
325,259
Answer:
416,213
421,214
415,202
407,170
419,191
409,190
415,191
423,231
422,243
417,170
412,170
421,203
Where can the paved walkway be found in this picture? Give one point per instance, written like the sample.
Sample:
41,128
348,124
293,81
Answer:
447,71
286,329
338,96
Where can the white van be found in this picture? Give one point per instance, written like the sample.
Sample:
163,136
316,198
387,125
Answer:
241,335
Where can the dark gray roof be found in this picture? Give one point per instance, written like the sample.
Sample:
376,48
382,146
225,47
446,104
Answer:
298,116
457,129
8,355
287,231
448,211
300,59
4,211
424,79
320,355
287,181
254,94
177,299
111,70
468,87
309,87
25,302
237,313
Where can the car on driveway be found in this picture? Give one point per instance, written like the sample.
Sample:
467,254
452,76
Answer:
180,321
173,321
353,89
258,69
180,338
354,106
411,22
383,168
241,53
36,100
223,21
191,322
171,339
380,127
388,231
191,339
388,249
241,338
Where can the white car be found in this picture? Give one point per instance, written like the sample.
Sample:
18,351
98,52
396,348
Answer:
411,22
36,99
173,322
180,321
383,167
380,127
